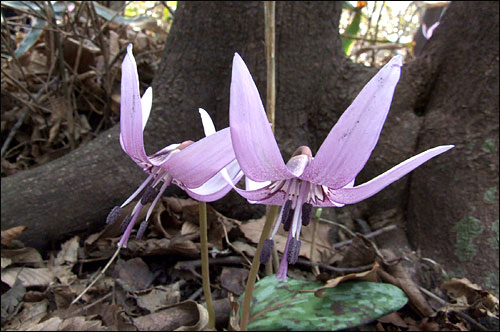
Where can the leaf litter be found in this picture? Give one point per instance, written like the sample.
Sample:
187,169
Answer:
149,287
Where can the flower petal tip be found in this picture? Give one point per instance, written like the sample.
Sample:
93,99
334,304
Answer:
397,61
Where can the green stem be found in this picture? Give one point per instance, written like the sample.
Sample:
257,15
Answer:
204,265
315,220
245,310
270,28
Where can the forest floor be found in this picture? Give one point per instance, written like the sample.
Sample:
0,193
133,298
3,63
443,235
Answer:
156,282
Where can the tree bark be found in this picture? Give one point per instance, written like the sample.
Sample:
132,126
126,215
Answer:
315,84
453,207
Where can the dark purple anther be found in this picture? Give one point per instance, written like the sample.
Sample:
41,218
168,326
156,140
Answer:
293,251
149,195
114,215
267,249
306,213
141,230
286,211
125,223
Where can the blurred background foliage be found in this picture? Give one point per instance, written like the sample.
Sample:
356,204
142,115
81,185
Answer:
61,63
374,31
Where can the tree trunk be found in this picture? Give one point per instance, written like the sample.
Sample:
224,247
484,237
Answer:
315,84
453,207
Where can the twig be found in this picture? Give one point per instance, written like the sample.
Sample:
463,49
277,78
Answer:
383,41
382,230
87,307
307,263
376,30
98,277
374,48
105,53
16,82
196,294
18,124
14,58
164,3
231,245
188,265
463,315
339,225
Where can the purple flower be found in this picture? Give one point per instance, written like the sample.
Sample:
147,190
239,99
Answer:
428,32
199,168
306,181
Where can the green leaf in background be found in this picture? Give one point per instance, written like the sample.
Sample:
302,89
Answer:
352,30
278,305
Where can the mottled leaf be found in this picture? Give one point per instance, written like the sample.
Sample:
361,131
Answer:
283,306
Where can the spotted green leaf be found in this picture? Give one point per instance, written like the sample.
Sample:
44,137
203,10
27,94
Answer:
282,306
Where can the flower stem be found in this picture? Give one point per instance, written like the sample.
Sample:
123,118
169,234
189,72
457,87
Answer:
245,310
315,221
270,28
204,264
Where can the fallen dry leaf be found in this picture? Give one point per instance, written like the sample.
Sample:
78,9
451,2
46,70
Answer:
181,245
242,247
323,247
113,316
26,256
183,316
133,275
78,323
50,324
359,253
69,252
11,234
215,221
397,276
234,279
370,275
471,294
11,301
29,276
159,297
31,314
393,318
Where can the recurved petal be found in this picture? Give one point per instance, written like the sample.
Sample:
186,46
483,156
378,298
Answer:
200,161
262,196
253,185
208,124
370,188
131,110
146,103
253,140
217,186
424,31
430,31
351,141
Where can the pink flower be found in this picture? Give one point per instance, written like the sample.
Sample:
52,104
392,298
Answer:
428,32
197,167
306,181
